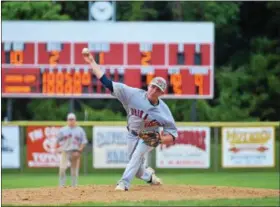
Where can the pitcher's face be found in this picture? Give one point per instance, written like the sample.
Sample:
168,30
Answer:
154,92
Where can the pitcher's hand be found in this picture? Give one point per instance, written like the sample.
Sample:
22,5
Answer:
87,56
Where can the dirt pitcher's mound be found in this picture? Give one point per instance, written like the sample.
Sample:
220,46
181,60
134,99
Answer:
106,193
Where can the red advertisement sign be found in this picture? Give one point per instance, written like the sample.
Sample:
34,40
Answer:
41,145
190,150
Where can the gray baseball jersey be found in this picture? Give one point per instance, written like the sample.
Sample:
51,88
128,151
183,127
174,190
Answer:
71,138
141,113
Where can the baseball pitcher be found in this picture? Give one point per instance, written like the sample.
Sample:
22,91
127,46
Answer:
146,114
72,140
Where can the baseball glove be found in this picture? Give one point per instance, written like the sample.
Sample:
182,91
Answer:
151,138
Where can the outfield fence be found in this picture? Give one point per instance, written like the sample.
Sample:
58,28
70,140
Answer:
28,146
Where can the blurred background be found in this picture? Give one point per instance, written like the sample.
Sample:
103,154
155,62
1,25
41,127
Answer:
221,60
246,59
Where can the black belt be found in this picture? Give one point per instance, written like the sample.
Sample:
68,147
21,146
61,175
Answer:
133,132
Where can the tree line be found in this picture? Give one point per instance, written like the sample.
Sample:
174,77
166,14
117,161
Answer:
247,59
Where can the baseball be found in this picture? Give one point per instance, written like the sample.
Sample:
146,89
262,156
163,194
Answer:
85,51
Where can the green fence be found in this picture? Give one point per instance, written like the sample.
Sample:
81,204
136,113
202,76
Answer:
87,159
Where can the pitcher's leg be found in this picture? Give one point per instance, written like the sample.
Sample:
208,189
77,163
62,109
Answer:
135,163
147,173
143,172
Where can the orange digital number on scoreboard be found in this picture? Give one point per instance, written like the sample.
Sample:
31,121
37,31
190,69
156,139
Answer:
16,57
176,82
65,83
198,82
54,57
101,58
146,58
149,77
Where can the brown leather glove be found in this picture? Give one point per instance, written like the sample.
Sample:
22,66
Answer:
151,138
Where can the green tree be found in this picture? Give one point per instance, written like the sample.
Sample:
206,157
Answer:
250,92
101,115
264,71
77,10
32,11
233,103
135,11
48,109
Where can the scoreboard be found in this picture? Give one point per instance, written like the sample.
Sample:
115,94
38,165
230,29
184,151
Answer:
49,63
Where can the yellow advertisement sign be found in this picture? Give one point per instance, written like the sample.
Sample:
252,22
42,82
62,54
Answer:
248,147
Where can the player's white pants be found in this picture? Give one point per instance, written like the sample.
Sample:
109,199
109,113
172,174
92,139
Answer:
137,150
65,158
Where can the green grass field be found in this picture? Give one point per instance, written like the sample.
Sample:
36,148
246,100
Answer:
268,180
256,178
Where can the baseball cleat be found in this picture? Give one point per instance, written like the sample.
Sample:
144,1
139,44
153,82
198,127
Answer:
150,170
154,179
121,187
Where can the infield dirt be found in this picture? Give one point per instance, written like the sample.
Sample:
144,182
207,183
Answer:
106,193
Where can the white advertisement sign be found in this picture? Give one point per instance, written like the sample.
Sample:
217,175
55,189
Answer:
109,147
248,147
190,150
10,147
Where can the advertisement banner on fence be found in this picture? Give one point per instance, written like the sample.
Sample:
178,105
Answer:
246,147
10,147
109,147
190,150
41,144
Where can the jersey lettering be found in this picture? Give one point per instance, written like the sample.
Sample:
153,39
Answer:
139,113
136,112
152,123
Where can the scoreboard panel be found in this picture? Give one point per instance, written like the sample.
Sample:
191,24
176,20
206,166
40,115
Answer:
17,53
104,53
189,54
146,54
17,81
51,67
66,82
54,53
188,73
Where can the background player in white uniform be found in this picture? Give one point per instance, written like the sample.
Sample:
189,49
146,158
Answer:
72,140
145,111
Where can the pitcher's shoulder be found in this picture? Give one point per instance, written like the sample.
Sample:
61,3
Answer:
163,104
165,107
140,93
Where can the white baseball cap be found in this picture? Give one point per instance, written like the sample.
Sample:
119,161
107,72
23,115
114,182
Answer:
159,82
71,116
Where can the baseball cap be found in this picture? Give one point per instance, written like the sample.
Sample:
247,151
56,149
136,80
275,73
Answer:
159,82
71,116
